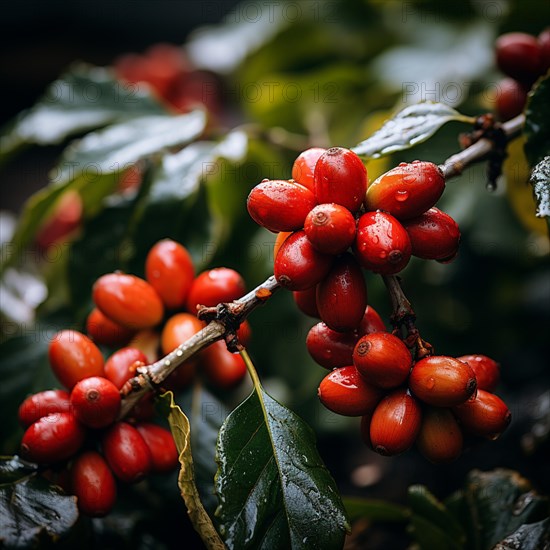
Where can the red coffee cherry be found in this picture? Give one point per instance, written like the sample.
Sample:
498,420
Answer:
519,55
544,43
306,300
371,322
487,370
342,295
407,190
53,438
223,368
178,329
330,228
122,365
340,177
281,238
442,381
169,270
434,235
304,167
395,423
96,402
128,300
214,287
511,98
382,359
42,404
93,484
486,415
73,357
164,455
298,266
126,452
330,349
344,392
382,244
280,205
244,333
106,332
440,438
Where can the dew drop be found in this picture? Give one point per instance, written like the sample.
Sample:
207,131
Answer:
401,196
430,384
402,164
375,239
409,178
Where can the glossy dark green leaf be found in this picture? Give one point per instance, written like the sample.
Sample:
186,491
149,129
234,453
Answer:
534,536
375,510
81,99
410,126
537,122
274,489
540,180
32,510
432,526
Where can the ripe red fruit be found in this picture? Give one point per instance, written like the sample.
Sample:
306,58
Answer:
304,167
407,190
442,381
164,455
73,357
440,438
519,55
344,392
306,300
371,322
103,330
330,349
330,228
169,269
298,266
511,98
126,452
342,295
382,244
340,177
281,238
486,415
96,402
382,359
93,484
128,300
280,205
487,370
223,368
244,333
434,235
178,329
122,365
42,404
215,286
395,423
53,438
61,225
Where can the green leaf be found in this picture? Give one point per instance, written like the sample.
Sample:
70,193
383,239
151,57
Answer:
179,424
431,524
414,124
32,510
375,510
540,180
498,503
82,99
274,489
528,537
537,121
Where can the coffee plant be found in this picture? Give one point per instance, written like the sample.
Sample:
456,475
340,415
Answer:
279,194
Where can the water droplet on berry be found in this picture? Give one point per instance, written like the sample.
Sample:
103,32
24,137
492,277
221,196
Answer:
375,239
401,196
430,384
402,164
265,179
409,178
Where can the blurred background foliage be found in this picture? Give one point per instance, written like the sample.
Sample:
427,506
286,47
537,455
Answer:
288,76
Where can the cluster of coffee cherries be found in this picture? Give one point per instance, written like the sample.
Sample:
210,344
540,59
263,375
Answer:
330,224
523,58
76,432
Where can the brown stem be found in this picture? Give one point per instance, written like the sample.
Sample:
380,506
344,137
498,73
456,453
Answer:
224,320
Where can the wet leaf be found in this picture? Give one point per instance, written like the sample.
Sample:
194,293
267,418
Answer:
32,510
528,537
414,124
179,424
274,490
540,180
537,121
